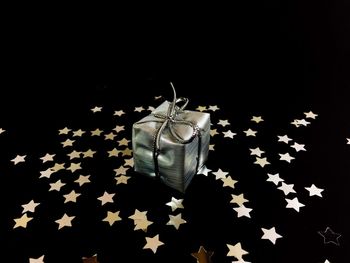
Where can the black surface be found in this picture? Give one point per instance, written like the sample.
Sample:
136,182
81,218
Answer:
273,59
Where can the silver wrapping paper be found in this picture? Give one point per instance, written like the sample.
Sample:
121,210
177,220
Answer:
177,162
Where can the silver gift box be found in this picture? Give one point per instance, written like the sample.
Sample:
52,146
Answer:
171,146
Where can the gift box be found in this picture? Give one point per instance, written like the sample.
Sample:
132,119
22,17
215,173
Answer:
171,143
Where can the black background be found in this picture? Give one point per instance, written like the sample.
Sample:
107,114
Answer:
274,59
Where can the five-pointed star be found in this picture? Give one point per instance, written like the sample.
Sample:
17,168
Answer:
96,109
29,207
284,139
96,132
211,147
65,130
228,181
127,152
123,141
213,108
286,188
19,159
47,173
123,179
257,119
310,115
74,154
37,260
89,153
139,109
294,203
256,152
119,128
175,203
110,136
229,134
238,199
118,113
298,147
112,217
64,221
56,186
121,170
250,132
83,179
71,197
47,157
329,236
303,122
236,251
275,178
74,166
176,221
295,122
57,167
242,211
220,174
113,152
270,234
129,162
286,157
153,243
313,190
223,123
67,143
201,108
204,170
106,198
202,255
261,161
22,221
213,132
78,133
2,130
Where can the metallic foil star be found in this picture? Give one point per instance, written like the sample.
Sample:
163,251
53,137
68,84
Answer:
203,256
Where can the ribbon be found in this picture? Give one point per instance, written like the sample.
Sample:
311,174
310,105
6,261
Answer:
170,121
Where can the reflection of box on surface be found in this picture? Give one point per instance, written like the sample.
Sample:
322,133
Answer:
183,145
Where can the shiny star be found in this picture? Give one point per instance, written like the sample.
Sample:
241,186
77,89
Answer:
250,132
204,170
96,132
257,119
220,174
56,186
236,251
223,123
211,147
153,243
294,203
19,159
286,188
238,199
270,234
119,128
57,167
89,153
74,154
202,255
123,141
298,147
2,130
64,221
286,157
261,161
67,143
127,152
113,153
256,152
96,109
37,260
310,115
213,108
176,221
29,207
201,108
228,181
122,179
329,236
348,140
47,157
284,139
22,221
313,190
175,204
129,162
275,178
83,179
303,122
139,109
229,134
71,197
74,167
242,211
121,170
110,136
106,198
118,113
47,173
213,132
112,217
78,133
65,130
